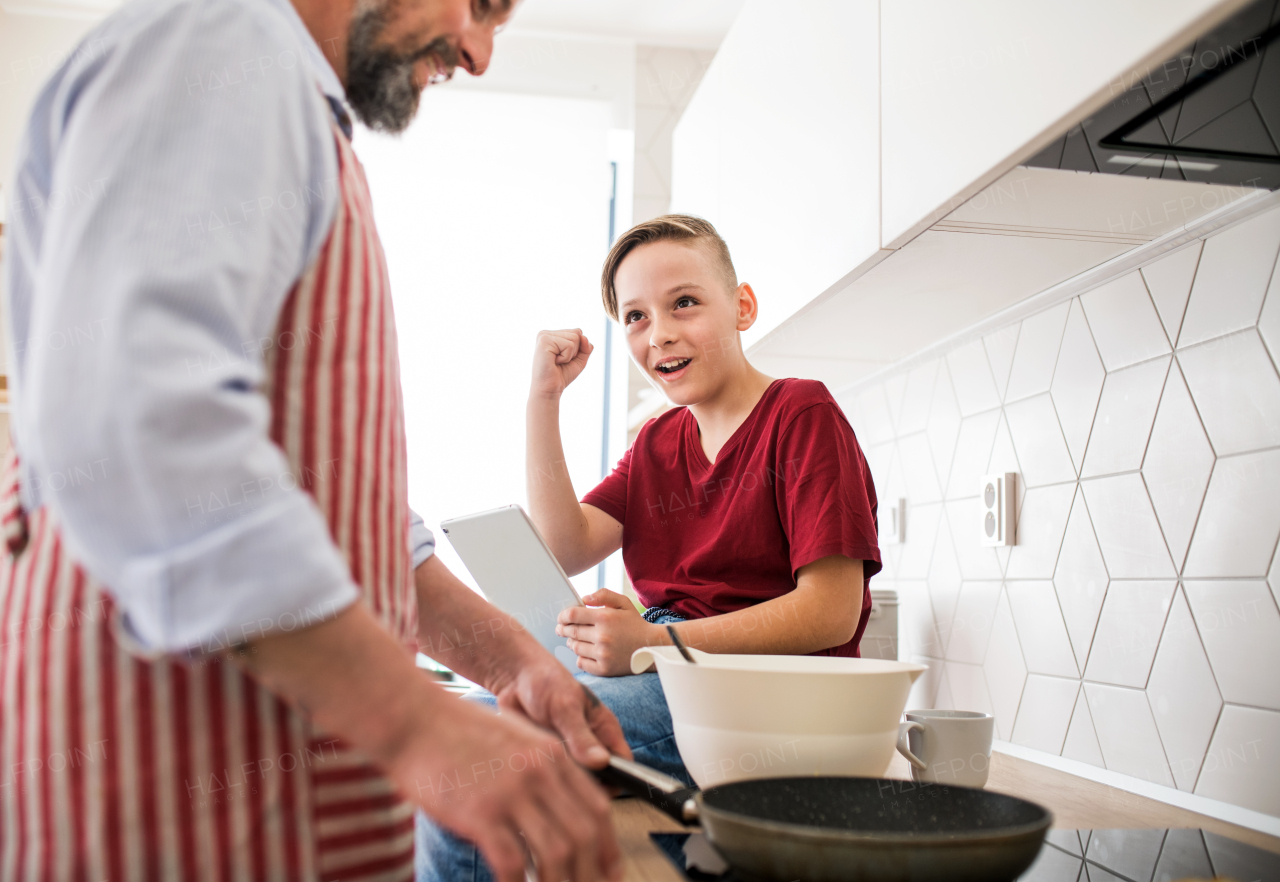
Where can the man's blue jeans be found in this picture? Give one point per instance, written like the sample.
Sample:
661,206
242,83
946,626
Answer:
640,706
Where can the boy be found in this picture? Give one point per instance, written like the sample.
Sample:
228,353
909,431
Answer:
746,515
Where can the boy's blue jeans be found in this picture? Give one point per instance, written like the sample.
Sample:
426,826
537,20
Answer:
640,706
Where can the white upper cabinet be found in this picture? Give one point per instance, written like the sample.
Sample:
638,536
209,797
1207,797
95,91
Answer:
970,89
779,148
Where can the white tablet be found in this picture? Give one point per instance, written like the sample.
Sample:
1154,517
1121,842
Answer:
517,572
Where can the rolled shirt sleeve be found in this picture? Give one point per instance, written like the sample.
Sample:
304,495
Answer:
422,542
177,177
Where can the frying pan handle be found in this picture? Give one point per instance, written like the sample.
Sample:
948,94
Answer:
659,790
904,731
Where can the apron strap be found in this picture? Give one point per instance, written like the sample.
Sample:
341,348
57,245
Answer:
13,517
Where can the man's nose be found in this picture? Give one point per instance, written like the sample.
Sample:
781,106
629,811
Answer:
477,48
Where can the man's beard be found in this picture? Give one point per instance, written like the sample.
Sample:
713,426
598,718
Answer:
380,81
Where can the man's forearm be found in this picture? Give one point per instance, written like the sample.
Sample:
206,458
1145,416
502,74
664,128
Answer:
553,505
463,631
353,679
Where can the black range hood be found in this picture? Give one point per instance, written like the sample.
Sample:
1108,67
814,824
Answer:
1211,113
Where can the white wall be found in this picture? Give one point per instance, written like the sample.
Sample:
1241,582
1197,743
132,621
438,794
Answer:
1135,624
493,210
779,148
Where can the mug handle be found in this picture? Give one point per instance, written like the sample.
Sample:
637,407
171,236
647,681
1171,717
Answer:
904,730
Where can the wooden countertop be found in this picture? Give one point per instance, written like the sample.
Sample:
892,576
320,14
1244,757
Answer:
1076,803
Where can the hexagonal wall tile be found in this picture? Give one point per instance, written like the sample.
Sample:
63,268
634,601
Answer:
1005,669
1232,278
977,561
1036,353
1236,390
1045,713
1169,281
1077,382
1046,646
1039,442
894,387
944,583
1000,346
1127,733
1082,740
917,623
1126,528
944,424
1041,523
1183,694
971,373
922,532
1240,628
1124,322
973,452
966,688
917,398
917,469
874,425
1240,519
1128,632
1003,457
1125,414
1177,466
1269,321
1080,580
1243,762
971,625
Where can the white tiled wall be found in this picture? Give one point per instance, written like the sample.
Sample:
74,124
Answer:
1135,625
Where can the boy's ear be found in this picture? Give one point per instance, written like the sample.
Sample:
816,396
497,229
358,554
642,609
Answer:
748,306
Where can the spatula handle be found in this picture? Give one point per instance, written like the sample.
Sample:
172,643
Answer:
663,792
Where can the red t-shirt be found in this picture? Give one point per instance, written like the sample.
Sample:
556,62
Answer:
789,487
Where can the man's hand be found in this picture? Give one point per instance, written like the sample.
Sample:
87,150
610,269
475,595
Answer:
491,779
606,632
558,359
510,787
542,690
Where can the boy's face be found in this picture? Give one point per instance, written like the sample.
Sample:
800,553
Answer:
680,318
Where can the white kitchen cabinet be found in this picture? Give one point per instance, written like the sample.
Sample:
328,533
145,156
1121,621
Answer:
970,89
779,148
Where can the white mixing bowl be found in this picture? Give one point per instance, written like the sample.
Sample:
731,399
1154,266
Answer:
771,716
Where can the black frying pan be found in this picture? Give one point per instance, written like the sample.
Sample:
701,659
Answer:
834,829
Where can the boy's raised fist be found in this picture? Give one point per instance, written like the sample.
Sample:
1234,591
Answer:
558,359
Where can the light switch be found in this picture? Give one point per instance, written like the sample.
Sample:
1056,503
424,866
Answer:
997,502
892,526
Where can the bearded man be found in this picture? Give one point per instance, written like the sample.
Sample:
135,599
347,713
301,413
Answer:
213,585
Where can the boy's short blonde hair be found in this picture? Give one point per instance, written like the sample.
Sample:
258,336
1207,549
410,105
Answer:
667,228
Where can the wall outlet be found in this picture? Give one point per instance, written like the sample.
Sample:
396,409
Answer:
892,526
998,525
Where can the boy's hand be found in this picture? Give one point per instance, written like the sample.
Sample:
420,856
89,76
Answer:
558,359
606,632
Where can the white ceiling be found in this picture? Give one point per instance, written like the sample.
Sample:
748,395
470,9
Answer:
701,23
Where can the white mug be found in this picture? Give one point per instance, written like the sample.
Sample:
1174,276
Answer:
947,746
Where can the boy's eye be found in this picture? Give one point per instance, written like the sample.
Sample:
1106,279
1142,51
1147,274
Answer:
685,301
630,317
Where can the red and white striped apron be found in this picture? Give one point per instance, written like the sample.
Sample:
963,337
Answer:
117,768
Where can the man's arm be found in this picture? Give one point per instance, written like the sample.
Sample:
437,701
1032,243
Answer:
822,611
354,681
579,535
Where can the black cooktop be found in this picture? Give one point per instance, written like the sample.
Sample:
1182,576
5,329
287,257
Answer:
1068,856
